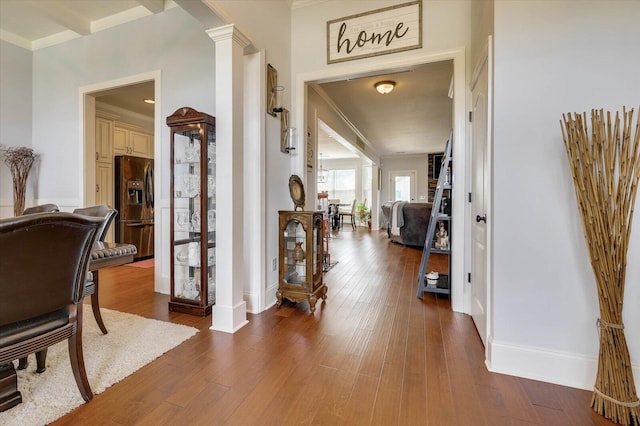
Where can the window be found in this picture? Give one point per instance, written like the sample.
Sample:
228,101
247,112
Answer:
341,185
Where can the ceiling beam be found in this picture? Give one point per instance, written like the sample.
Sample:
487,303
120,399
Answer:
202,13
62,15
153,6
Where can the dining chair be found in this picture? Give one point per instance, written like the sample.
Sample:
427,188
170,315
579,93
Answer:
107,214
103,211
351,214
41,289
42,208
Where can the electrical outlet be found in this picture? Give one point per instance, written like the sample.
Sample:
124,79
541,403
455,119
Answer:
274,264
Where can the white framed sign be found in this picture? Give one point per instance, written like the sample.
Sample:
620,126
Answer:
379,32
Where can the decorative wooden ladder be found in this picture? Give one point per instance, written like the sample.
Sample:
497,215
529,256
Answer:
437,215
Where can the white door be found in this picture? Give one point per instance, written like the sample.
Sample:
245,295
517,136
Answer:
402,186
480,131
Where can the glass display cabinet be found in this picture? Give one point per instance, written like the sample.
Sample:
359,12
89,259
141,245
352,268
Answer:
301,257
193,212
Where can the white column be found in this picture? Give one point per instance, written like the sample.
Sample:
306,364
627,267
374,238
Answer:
230,310
375,197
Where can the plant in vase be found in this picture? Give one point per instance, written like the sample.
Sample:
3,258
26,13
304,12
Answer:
363,214
19,160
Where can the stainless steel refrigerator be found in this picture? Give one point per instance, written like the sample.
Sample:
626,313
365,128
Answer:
134,202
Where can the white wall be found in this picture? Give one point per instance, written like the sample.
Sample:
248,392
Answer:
481,27
268,25
172,42
319,109
445,25
446,28
419,163
15,116
175,44
552,58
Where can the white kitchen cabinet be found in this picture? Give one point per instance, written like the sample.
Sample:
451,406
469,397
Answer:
132,141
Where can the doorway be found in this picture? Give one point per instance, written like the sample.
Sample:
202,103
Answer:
386,65
94,115
402,185
124,123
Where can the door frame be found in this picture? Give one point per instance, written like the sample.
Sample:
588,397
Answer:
413,176
87,111
460,299
486,59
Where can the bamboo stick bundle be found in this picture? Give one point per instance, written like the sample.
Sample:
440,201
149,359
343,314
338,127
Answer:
605,163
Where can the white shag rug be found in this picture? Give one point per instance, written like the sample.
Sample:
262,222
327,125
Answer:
132,342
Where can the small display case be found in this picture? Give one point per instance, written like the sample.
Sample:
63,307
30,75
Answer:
193,212
301,257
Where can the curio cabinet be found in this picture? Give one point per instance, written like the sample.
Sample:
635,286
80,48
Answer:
193,212
301,257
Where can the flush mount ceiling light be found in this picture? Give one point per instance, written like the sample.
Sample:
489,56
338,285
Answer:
384,87
149,101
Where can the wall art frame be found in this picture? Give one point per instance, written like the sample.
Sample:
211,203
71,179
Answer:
378,32
272,84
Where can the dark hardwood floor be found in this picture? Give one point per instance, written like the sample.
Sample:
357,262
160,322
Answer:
371,354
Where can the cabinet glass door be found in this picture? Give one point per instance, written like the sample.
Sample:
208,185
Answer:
295,249
211,216
194,214
317,249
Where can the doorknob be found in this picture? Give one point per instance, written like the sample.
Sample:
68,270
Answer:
481,218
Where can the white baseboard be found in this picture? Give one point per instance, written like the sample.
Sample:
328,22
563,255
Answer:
253,302
229,319
270,296
253,299
562,368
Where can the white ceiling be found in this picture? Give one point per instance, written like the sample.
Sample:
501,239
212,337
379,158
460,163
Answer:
34,24
415,118
129,97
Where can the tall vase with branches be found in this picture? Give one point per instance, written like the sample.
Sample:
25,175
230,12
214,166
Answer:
605,163
19,160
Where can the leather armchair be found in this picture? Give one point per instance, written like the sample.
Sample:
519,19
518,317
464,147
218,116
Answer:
44,260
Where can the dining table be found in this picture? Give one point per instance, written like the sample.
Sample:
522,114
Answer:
103,255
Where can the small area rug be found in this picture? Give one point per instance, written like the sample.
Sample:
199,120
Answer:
131,343
148,263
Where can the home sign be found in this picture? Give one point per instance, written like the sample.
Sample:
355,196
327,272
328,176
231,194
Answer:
379,32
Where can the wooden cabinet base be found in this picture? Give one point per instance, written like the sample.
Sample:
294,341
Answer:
9,394
301,296
184,308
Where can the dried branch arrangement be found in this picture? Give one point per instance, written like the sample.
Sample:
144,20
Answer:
605,163
19,159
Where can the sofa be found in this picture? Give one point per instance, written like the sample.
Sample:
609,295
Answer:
412,221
